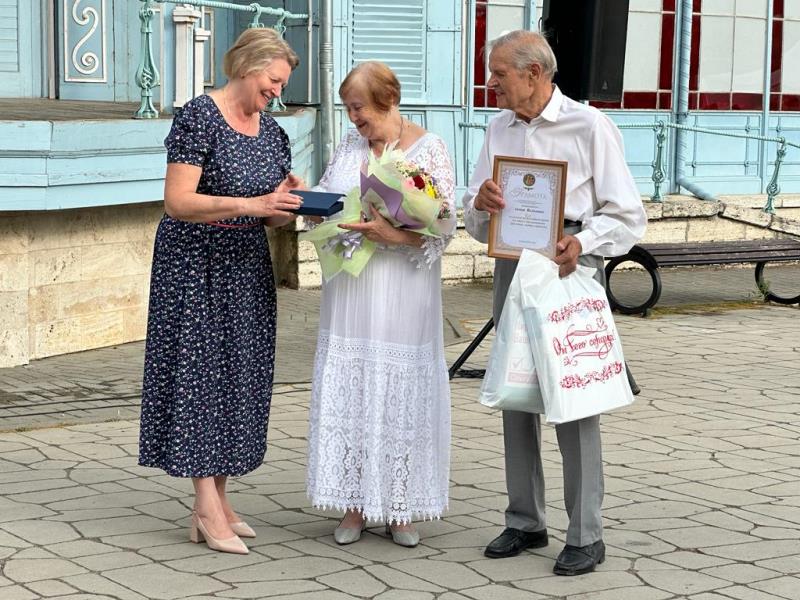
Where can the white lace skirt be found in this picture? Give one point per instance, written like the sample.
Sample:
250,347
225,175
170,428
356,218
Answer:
379,428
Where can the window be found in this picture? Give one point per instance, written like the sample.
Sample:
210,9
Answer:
492,19
392,32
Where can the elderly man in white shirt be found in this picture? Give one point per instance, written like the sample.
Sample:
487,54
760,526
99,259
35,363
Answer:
604,216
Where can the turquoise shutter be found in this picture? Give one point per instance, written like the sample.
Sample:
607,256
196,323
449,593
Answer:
20,49
393,32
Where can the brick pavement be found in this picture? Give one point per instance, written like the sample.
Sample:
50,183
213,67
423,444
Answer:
702,495
702,486
105,384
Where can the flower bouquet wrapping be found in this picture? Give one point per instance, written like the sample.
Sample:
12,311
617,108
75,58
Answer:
403,193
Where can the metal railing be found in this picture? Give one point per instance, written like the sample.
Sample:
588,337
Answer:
659,172
659,175
147,76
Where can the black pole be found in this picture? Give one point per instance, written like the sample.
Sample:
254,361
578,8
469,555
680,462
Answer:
471,348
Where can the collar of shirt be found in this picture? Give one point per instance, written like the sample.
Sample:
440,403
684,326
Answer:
550,112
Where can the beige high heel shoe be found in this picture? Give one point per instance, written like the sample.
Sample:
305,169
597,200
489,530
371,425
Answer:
198,533
242,529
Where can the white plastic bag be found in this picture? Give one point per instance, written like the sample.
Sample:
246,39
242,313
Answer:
575,343
510,382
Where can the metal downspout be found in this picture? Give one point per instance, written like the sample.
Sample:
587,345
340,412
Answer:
468,91
763,159
682,114
326,80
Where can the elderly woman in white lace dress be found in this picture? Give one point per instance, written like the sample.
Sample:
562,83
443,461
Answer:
379,433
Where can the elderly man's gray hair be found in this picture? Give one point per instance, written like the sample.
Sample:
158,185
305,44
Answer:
528,48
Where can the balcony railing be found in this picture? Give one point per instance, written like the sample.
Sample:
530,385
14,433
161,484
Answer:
659,173
189,40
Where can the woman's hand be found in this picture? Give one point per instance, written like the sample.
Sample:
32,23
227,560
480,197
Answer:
379,230
277,204
292,182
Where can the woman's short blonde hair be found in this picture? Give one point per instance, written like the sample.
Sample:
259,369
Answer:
254,50
377,80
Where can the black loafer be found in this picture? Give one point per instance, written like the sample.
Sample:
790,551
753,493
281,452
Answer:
513,541
576,560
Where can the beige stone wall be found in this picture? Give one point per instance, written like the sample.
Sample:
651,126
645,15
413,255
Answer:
677,219
78,279
74,279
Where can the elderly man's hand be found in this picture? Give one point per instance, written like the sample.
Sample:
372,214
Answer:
489,197
568,250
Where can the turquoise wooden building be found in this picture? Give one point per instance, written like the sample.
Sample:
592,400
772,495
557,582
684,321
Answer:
81,179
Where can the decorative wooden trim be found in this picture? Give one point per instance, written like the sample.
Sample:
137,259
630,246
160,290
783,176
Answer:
87,63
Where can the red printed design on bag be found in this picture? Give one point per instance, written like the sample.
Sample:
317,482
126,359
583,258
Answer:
595,340
593,304
581,381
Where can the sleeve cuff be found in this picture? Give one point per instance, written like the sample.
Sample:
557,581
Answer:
588,241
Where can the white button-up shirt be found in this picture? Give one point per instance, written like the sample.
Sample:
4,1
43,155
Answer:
600,192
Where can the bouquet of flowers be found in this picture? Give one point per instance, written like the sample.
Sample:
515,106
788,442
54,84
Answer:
403,193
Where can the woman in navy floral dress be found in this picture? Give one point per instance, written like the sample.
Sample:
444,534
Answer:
211,327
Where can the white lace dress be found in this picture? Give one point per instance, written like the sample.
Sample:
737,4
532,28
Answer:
379,428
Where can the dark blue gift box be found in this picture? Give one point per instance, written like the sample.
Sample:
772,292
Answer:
318,204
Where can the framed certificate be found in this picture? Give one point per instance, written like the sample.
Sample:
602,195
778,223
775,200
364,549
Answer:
534,192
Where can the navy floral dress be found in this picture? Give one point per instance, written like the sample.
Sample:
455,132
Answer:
211,326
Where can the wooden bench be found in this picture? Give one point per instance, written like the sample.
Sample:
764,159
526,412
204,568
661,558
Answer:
654,256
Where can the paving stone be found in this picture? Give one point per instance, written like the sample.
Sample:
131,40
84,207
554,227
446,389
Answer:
689,582
139,541
567,586
42,532
81,548
355,582
261,590
97,584
477,538
713,460
322,595
455,577
513,569
782,587
290,568
19,511
34,552
51,587
500,592
404,595
628,593
402,581
741,592
702,537
72,516
786,564
741,573
318,548
210,562
121,525
10,541
755,551
160,583
24,570
17,592
112,560
635,542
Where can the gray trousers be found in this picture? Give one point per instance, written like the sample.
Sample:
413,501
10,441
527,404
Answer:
578,441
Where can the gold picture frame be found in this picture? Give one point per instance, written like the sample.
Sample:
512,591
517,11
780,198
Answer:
534,192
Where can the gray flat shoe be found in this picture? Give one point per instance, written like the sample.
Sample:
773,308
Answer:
409,539
348,535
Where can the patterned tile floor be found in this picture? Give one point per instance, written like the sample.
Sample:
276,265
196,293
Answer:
702,478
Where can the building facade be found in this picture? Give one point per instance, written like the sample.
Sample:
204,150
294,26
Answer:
81,180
